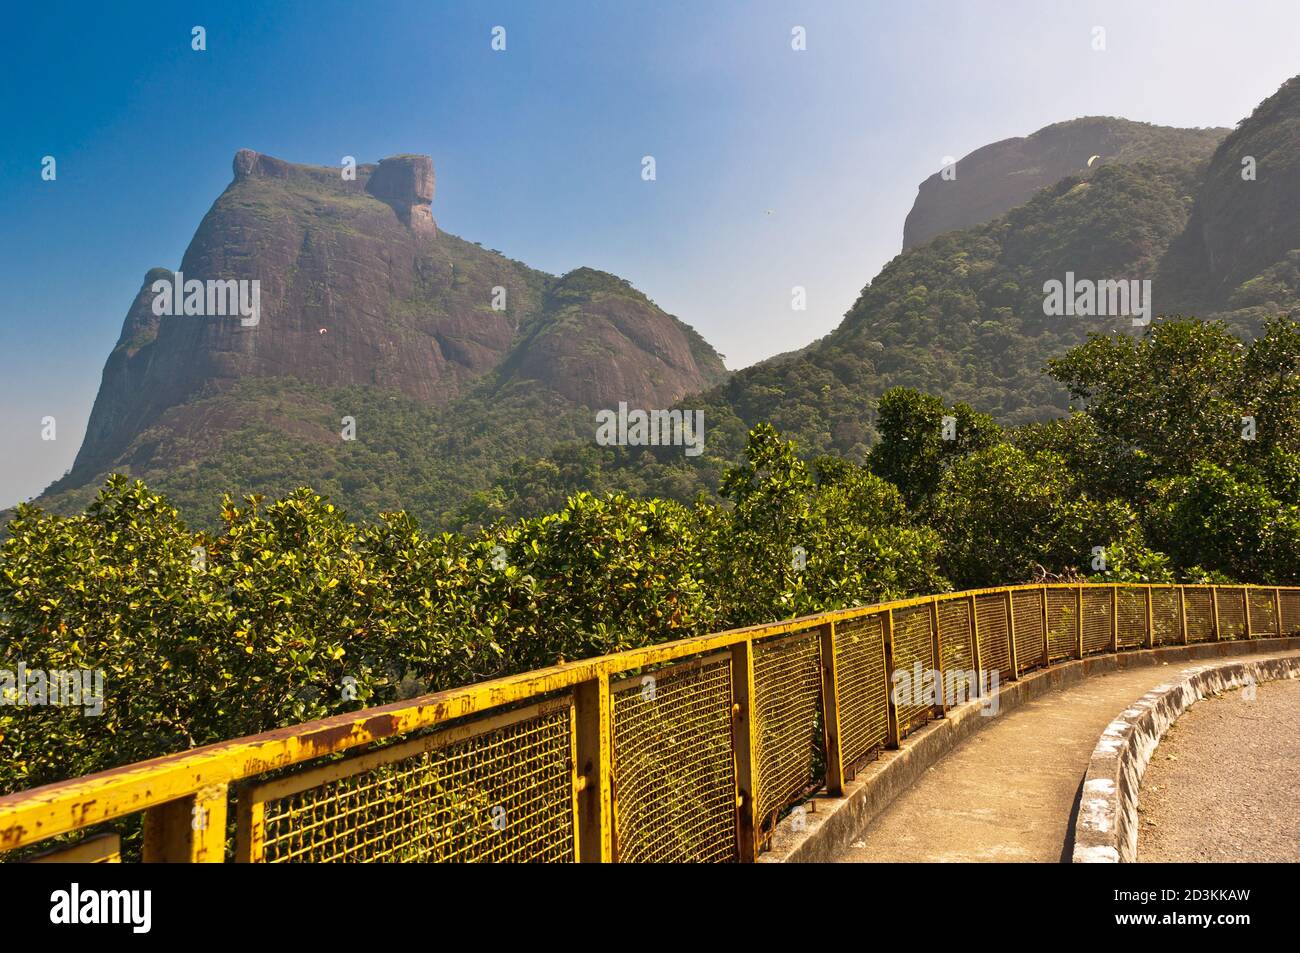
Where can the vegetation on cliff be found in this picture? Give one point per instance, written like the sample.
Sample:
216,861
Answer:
261,622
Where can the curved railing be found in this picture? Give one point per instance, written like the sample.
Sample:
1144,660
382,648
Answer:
685,751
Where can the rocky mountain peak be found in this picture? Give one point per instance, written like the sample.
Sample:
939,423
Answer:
406,183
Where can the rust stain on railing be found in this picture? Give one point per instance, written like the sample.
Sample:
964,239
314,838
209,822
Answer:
527,767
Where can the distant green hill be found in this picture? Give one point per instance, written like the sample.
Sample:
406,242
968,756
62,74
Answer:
961,316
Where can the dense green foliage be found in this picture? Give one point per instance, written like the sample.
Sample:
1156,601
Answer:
268,619
204,636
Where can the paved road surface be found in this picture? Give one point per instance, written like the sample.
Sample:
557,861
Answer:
1008,792
1222,785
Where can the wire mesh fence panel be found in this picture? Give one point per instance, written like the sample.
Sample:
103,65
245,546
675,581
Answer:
864,706
1096,620
1167,616
673,771
1232,614
913,666
1290,599
1027,610
498,790
787,716
1062,624
1263,613
991,624
1200,614
956,652
1132,607
501,786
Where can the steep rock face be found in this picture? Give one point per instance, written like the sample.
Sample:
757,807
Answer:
359,289
998,177
406,183
354,289
1240,252
601,341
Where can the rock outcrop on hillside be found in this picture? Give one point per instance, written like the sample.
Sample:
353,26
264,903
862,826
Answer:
996,178
1239,256
358,288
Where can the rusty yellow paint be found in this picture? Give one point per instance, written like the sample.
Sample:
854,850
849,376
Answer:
1182,611
1214,601
1047,646
831,712
101,849
939,710
1114,618
169,788
593,758
188,830
1151,620
1011,636
893,731
743,753
1078,621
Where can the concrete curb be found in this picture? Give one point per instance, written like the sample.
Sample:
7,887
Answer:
1106,829
817,834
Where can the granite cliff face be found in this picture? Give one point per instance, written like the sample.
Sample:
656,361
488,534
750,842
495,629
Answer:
589,341
960,313
1239,257
998,177
360,289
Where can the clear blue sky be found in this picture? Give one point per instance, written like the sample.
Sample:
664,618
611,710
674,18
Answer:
538,149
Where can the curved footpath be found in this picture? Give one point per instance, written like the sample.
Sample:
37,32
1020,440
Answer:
1221,786
1008,792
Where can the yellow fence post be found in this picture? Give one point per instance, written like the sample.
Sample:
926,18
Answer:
593,771
1245,604
1011,636
1214,601
831,712
1182,611
1151,619
1047,639
189,830
1078,620
892,736
1114,617
1277,610
939,710
975,648
743,749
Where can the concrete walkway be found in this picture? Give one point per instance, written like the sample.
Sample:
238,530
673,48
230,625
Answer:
1008,792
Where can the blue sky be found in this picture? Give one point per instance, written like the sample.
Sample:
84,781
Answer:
538,149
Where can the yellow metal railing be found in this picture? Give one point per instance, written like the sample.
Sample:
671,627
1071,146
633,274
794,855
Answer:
686,751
